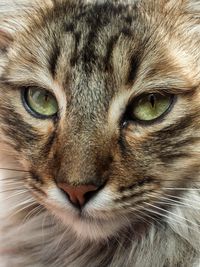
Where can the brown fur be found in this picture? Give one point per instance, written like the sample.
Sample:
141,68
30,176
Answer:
97,58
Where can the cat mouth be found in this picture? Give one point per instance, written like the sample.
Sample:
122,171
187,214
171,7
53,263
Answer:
95,221
83,224
90,222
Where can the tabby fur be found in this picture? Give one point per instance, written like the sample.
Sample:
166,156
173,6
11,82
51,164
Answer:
96,56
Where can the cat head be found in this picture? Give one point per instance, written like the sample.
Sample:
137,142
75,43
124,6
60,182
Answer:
99,102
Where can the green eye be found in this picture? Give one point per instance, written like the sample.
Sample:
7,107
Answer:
150,107
40,102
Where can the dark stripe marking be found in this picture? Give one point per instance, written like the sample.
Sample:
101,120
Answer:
138,183
54,58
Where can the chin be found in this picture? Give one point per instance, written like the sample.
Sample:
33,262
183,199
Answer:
91,223
90,228
87,227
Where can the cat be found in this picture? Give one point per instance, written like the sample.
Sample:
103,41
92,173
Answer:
100,133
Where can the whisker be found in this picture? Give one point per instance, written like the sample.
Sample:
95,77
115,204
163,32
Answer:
32,213
14,195
173,202
15,170
181,205
182,198
12,186
165,216
148,215
20,210
118,236
178,202
178,180
176,215
11,190
141,216
12,182
40,210
29,200
11,178
43,224
181,188
60,240
21,204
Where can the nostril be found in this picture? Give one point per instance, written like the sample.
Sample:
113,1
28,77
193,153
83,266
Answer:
78,195
89,195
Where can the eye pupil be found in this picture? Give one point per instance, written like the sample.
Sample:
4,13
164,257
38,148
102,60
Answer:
46,97
152,100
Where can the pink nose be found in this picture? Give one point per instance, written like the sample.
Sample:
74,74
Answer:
78,195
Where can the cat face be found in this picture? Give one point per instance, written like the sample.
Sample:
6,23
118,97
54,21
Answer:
101,104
